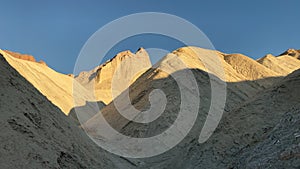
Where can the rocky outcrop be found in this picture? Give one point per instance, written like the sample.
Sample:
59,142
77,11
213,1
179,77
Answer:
24,57
292,52
21,56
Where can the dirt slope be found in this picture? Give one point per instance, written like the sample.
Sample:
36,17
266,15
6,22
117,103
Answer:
57,87
280,149
248,126
290,62
35,134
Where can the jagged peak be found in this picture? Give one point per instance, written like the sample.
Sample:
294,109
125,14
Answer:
266,57
124,54
291,52
269,56
141,49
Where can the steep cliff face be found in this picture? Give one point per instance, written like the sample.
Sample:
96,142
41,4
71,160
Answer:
114,76
36,134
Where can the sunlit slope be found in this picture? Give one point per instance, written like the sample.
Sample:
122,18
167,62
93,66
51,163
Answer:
57,87
282,65
250,69
111,78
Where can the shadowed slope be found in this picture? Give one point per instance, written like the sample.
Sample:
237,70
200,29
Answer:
35,134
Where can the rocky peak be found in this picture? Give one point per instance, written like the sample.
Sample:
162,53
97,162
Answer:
292,52
126,67
24,57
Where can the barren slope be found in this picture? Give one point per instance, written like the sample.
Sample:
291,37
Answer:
280,149
57,87
275,64
35,134
189,151
282,65
290,62
251,125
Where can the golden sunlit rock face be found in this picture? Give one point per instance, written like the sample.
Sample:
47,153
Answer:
114,76
111,78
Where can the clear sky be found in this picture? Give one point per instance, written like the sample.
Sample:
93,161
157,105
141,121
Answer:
55,31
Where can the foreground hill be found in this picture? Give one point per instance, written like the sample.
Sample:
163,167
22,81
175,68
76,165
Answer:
57,87
35,134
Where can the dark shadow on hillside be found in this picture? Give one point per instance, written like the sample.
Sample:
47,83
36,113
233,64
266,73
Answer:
90,109
237,93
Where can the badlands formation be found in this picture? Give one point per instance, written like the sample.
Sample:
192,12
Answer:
260,126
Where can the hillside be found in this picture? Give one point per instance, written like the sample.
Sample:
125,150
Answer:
250,69
283,65
275,64
57,87
36,134
244,123
258,128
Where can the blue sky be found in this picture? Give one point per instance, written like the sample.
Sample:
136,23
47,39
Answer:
55,31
